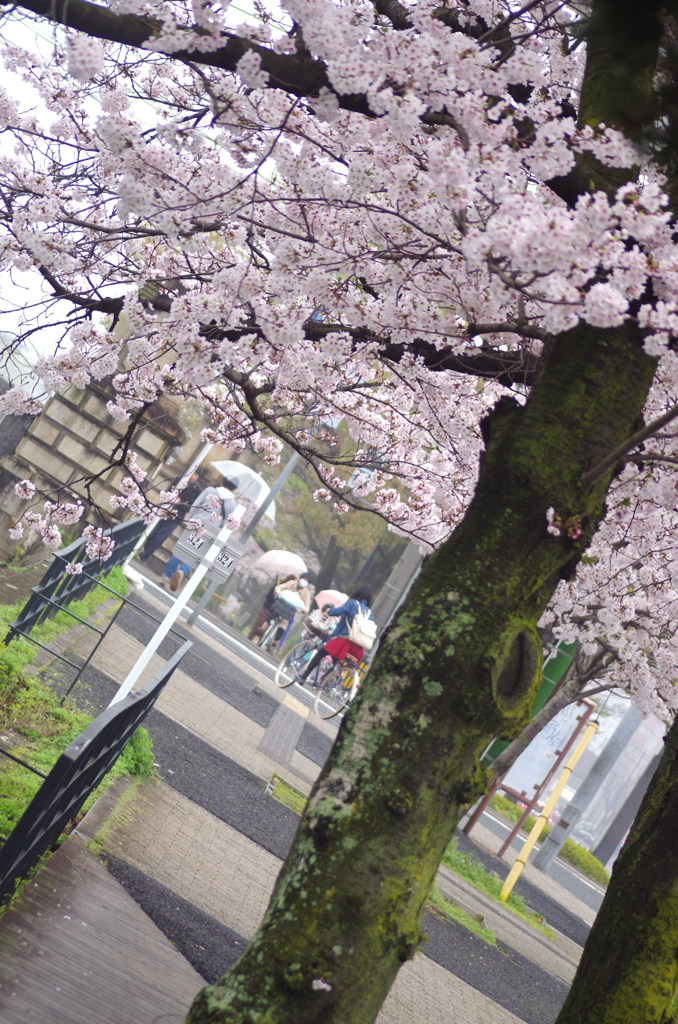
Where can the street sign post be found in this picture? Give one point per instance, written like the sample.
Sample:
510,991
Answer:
191,548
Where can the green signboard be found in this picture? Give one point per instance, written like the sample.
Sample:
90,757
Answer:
556,665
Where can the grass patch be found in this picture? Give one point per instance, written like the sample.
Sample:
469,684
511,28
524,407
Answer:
128,807
437,904
577,855
38,729
21,652
34,725
287,795
472,870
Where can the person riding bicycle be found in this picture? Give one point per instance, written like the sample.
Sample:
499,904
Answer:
339,646
300,587
263,616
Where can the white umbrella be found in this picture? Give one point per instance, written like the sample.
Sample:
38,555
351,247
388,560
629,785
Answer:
250,484
281,561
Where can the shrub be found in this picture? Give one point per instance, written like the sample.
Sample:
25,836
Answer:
584,861
572,852
137,757
503,806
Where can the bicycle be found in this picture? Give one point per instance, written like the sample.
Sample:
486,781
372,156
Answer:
269,635
295,661
336,689
335,682
282,613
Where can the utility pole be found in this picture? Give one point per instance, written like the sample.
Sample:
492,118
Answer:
622,823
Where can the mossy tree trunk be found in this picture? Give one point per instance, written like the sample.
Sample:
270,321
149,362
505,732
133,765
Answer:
459,667
629,970
461,664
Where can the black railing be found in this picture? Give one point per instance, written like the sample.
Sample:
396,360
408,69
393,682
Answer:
75,775
57,588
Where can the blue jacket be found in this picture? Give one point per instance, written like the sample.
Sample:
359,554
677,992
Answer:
346,613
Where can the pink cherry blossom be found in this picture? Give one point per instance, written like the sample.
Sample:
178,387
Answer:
295,262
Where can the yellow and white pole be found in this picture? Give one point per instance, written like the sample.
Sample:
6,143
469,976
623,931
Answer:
521,859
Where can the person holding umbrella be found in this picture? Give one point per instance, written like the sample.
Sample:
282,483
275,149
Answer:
164,527
211,501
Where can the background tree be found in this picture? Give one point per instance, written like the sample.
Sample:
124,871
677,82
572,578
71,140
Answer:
411,217
347,547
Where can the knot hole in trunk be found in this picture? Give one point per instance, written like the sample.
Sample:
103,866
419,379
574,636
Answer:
515,673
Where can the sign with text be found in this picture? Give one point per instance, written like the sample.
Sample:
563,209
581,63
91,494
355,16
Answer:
192,547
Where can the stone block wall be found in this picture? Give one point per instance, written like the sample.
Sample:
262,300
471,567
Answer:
72,439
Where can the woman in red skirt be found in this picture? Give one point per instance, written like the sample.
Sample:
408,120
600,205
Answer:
339,646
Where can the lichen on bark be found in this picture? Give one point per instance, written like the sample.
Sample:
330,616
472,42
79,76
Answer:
459,667
628,973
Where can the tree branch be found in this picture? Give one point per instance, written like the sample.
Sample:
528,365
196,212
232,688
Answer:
588,479
297,74
506,368
397,13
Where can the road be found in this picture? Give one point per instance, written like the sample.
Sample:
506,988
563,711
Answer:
586,891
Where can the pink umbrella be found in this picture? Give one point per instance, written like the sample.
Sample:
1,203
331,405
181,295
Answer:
333,597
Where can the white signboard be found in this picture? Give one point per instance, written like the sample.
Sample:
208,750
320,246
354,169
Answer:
536,761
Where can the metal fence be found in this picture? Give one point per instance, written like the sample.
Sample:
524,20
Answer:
57,588
75,775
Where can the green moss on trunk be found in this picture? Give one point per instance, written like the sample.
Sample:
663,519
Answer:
629,970
459,667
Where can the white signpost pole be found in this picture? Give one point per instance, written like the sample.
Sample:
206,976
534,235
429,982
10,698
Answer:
176,609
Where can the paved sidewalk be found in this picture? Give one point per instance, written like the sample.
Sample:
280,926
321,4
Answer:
201,849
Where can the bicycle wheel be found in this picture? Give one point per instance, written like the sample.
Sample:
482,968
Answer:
336,691
268,639
294,661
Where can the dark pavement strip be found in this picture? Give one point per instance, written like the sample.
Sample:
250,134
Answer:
500,973
220,785
553,913
211,948
314,744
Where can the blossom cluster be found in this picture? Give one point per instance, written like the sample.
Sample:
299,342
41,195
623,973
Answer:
293,264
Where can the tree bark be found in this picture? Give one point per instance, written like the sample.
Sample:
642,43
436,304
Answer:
628,973
459,667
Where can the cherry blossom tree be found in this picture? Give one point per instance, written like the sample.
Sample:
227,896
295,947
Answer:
454,227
